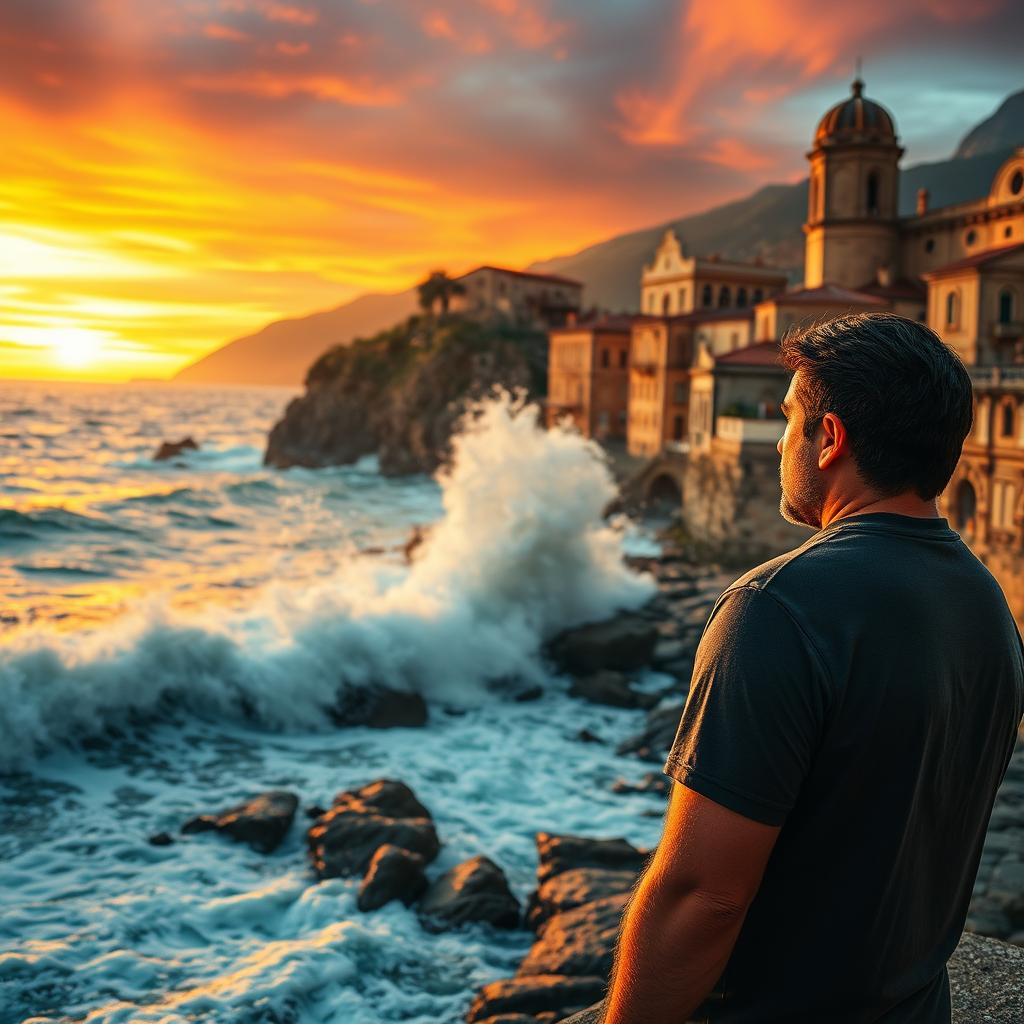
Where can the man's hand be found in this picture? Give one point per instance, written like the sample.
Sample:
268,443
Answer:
686,910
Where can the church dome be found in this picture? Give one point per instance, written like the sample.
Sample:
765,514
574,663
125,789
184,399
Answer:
856,119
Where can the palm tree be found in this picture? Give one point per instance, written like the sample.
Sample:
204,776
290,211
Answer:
439,287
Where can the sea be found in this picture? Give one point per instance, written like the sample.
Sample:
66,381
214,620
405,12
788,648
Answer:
172,635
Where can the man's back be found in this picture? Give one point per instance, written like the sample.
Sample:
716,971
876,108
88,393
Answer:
864,691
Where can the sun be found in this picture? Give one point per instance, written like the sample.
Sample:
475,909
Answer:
74,346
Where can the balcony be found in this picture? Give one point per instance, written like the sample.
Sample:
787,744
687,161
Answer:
1009,330
749,431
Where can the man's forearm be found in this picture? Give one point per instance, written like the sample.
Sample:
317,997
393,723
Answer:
672,948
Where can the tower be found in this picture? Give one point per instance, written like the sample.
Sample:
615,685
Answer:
853,198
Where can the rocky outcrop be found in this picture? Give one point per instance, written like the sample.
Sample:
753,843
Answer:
474,891
612,688
653,741
379,707
393,874
172,449
262,822
539,998
402,393
343,841
625,643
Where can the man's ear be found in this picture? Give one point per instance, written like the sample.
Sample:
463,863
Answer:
834,440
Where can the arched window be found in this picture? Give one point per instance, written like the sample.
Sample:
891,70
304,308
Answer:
682,299
741,298
758,296
666,301
872,195
1007,424
724,297
705,296
1005,306
952,309
812,203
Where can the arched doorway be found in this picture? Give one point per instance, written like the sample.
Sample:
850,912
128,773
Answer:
665,492
965,509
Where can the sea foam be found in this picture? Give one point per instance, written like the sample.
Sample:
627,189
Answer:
521,552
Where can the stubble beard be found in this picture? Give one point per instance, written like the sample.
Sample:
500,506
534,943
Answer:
802,500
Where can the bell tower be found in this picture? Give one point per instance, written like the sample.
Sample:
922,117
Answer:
853,195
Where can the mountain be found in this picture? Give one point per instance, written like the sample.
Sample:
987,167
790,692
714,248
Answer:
281,352
766,224
1003,130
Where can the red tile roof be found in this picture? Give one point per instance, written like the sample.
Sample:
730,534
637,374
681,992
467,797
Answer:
761,353
903,288
977,260
553,278
825,295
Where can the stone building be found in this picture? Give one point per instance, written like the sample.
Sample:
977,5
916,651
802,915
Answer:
588,375
674,284
544,299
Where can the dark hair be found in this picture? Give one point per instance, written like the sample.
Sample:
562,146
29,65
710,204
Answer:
903,395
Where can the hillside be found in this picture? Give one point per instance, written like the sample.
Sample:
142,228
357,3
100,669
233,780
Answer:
281,352
765,224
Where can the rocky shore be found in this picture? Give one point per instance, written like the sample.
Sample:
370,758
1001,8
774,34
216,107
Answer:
384,834
401,394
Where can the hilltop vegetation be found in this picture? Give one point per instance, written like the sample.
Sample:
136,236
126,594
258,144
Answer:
400,393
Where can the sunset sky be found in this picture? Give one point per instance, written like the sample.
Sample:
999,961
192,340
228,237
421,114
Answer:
174,173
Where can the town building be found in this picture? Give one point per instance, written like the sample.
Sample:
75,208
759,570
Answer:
546,300
674,284
588,375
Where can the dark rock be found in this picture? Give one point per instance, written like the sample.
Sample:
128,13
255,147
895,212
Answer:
653,742
530,693
393,874
579,942
625,643
651,782
342,842
171,449
315,811
161,839
379,708
573,888
475,890
586,736
534,995
558,853
607,687
261,822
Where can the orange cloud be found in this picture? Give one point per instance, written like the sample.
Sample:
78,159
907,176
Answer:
278,86
215,31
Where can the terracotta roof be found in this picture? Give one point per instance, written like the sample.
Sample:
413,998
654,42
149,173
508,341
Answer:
700,316
825,295
902,288
761,353
605,322
553,278
977,260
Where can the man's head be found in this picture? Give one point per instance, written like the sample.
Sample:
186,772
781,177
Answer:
878,407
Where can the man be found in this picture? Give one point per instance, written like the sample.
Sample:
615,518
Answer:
853,708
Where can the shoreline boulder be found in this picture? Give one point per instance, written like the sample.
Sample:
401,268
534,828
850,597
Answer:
262,822
474,891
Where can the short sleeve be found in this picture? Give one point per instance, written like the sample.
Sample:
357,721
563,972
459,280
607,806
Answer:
757,707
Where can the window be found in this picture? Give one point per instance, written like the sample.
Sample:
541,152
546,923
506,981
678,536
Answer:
741,298
677,428
971,237
1017,182
679,394
1005,306
682,299
724,297
872,196
813,200
929,245
1008,232
705,296
622,359
758,296
1007,423
605,358
666,302
952,309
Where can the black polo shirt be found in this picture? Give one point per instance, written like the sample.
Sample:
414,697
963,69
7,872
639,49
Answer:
864,692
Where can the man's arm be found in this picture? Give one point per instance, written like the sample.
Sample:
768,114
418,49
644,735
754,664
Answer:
686,910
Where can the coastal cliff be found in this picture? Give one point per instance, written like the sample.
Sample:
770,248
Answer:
401,393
